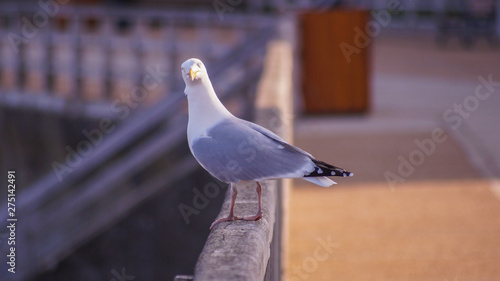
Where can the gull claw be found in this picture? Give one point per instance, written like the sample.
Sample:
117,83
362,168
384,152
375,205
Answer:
257,217
228,218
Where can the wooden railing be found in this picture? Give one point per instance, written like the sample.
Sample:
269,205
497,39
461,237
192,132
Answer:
59,214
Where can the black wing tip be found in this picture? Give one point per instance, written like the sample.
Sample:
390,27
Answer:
326,172
343,173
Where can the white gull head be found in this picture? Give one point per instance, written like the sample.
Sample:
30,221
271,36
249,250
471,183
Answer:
205,109
194,73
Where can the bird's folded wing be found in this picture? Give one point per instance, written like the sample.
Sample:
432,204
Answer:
233,150
275,137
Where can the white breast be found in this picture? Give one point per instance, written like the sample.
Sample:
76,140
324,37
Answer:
205,111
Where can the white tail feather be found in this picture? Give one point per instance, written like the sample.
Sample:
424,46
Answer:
323,181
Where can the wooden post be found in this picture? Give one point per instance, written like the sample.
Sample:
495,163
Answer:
334,79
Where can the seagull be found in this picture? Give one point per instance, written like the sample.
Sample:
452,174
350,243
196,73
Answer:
234,150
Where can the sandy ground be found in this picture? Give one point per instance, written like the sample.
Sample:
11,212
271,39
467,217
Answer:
435,230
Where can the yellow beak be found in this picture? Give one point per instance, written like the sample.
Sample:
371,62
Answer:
192,74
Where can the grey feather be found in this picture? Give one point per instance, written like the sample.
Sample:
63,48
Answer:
275,137
236,150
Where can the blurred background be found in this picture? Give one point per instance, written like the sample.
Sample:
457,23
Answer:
402,93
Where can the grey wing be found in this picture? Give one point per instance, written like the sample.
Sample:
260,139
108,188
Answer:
321,168
275,137
234,151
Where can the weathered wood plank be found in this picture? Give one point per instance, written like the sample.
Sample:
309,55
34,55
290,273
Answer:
240,250
275,104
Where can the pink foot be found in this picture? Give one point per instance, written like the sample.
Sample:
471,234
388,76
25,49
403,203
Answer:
232,217
228,218
257,217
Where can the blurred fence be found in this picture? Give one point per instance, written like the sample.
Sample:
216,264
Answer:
95,55
72,71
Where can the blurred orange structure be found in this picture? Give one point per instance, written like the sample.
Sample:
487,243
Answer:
335,58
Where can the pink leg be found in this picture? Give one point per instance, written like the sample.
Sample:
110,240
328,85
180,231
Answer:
231,216
258,216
